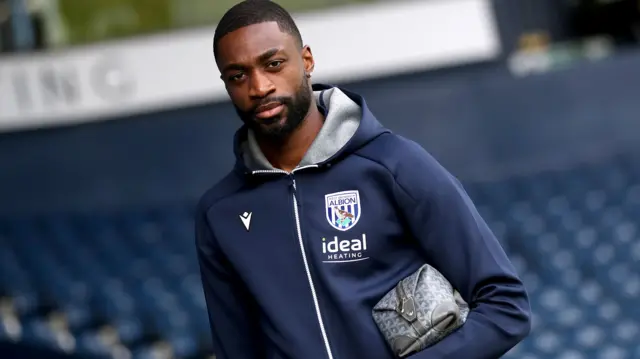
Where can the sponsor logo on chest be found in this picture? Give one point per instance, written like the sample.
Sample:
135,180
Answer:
338,250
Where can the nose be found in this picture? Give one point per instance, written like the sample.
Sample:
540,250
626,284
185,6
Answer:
260,86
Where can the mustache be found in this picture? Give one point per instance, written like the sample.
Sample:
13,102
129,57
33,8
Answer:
282,100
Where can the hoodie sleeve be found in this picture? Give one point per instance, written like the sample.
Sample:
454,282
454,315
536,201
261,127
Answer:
458,242
232,316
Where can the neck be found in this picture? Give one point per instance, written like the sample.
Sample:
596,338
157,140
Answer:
287,154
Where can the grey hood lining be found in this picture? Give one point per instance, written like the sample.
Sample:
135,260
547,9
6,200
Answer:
342,121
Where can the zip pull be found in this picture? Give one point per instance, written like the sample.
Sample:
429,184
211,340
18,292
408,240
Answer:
406,304
293,182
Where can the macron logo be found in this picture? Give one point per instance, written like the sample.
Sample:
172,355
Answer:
246,219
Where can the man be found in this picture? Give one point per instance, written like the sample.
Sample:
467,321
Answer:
326,211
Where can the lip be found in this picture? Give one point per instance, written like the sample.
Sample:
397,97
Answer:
269,110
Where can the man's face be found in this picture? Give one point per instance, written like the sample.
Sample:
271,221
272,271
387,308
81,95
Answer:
264,71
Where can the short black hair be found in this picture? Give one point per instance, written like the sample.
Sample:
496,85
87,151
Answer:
251,12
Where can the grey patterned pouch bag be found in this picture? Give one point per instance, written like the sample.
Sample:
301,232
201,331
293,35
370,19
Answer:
421,310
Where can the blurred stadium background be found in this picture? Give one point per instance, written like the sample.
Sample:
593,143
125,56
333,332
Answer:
113,122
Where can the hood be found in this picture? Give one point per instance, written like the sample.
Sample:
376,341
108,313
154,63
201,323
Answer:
348,126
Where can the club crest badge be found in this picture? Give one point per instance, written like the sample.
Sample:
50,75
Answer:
343,209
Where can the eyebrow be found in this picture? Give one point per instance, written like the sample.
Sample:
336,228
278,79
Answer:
261,58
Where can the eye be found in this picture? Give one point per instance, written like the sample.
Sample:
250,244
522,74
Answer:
236,77
274,63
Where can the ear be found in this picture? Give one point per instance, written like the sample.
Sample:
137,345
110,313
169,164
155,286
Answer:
307,59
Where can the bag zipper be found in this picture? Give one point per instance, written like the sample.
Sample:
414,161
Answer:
307,269
403,298
407,312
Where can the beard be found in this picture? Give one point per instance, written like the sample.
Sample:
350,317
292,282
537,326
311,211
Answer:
274,129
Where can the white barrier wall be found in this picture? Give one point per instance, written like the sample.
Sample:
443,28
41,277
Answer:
177,69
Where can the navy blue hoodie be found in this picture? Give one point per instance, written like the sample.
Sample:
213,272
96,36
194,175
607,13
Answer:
293,263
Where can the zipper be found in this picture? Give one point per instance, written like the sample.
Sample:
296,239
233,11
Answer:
307,269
